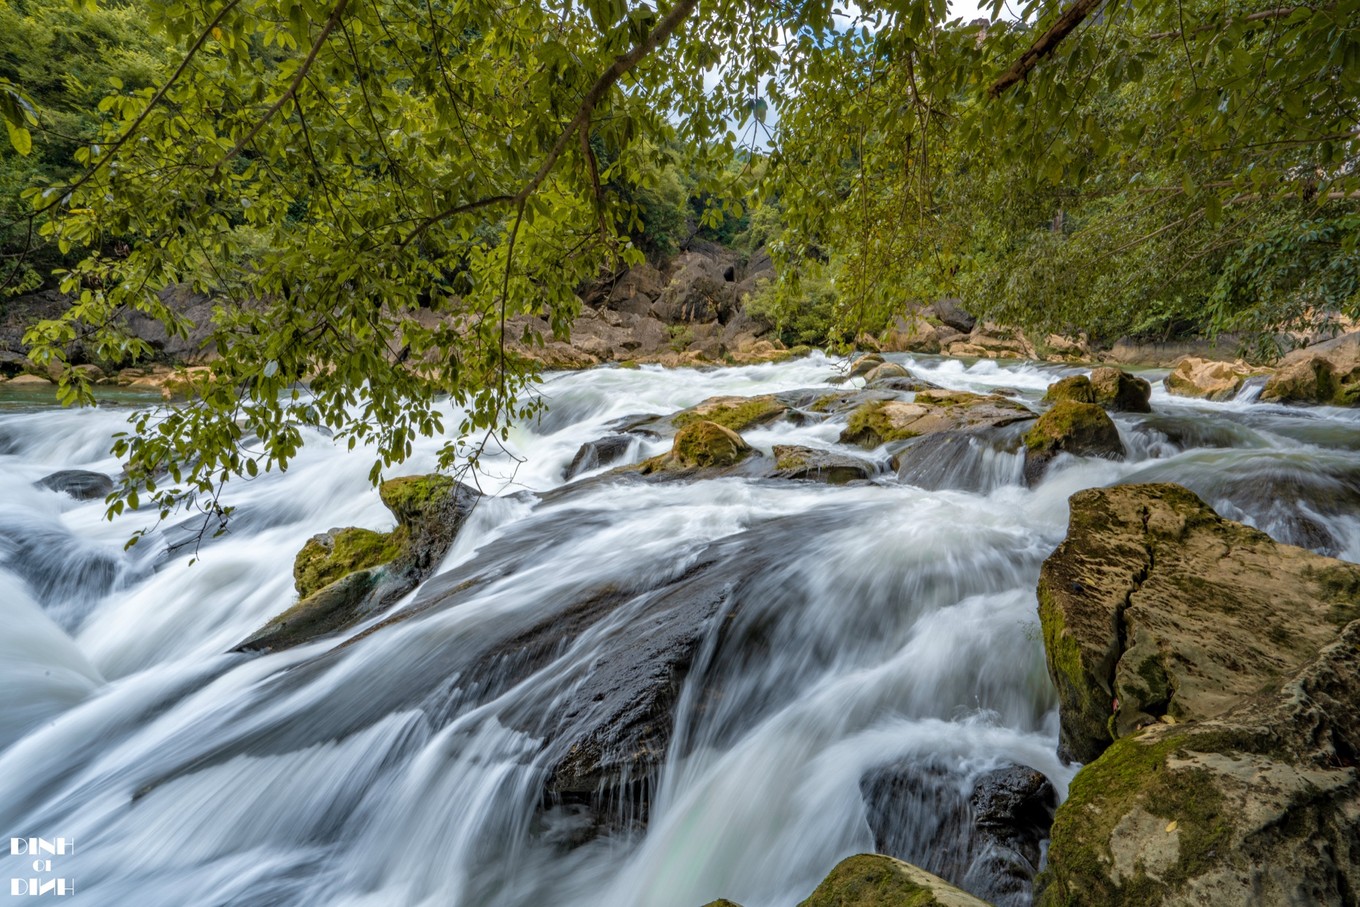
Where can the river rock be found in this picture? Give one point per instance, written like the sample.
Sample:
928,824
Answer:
1327,372
735,413
1075,388
810,463
879,421
886,371
347,574
601,452
1118,391
1208,379
700,448
1080,429
1257,805
912,333
987,841
81,484
1154,607
874,880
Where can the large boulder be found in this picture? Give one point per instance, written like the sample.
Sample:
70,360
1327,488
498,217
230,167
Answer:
702,288
950,312
1117,390
700,449
345,575
1208,379
874,880
1074,388
1256,805
1324,373
910,333
877,422
1080,429
1154,607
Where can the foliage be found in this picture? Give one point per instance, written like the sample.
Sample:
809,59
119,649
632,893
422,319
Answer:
372,190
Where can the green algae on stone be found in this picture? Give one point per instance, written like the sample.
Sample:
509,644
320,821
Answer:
325,558
1076,388
875,880
708,444
736,413
411,498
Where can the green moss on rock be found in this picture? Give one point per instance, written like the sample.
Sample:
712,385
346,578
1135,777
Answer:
340,552
707,444
874,880
1076,388
412,498
869,426
736,413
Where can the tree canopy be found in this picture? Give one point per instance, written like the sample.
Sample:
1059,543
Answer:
372,190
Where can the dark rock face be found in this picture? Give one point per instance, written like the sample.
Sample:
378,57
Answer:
593,454
950,311
986,842
1118,391
80,484
1210,679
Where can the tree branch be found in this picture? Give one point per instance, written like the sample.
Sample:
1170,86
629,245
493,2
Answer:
1044,45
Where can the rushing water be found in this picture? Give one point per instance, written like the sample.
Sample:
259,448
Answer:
886,622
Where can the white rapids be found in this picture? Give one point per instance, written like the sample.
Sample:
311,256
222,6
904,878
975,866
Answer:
896,621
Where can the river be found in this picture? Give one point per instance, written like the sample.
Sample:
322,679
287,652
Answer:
887,622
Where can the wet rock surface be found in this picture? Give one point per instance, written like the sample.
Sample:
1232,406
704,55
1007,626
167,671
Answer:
1210,678
81,484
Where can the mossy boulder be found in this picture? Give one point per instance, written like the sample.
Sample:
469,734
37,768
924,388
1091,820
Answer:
735,413
345,575
700,447
1154,607
340,552
1326,373
1080,429
877,422
874,880
859,368
1208,379
1076,388
707,445
1255,806
1118,391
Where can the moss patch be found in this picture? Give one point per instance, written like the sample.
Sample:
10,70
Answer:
1074,427
326,558
707,444
414,497
736,416
869,426
1076,388
868,881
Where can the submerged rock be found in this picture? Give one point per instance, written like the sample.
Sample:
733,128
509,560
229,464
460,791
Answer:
1208,379
80,484
604,451
797,462
877,422
1324,373
874,880
344,575
1080,429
